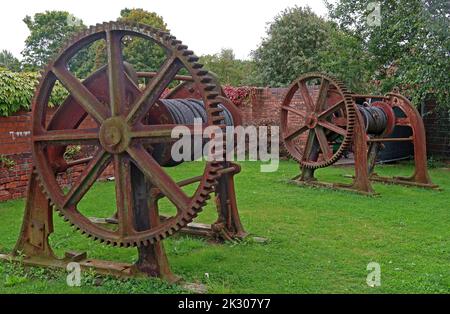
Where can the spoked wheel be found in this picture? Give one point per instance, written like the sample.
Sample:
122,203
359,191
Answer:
328,119
118,107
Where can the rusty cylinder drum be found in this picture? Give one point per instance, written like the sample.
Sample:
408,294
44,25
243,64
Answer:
374,118
183,112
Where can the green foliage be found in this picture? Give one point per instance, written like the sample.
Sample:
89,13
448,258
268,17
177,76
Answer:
411,47
48,32
291,46
72,152
344,57
299,41
17,89
142,53
8,61
229,70
6,162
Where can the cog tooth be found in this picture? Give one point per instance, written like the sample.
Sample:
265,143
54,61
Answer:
209,87
206,80
187,53
202,73
212,95
193,58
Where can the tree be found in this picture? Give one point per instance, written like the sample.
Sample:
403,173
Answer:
291,46
229,70
8,61
409,49
345,57
299,41
141,53
48,32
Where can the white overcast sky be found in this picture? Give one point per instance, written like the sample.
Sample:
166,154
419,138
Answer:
205,26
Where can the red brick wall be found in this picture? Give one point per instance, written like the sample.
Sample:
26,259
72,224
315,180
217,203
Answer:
437,126
263,107
15,133
15,144
14,180
264,104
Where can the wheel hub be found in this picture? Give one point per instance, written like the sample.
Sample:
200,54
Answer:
115,135
311,121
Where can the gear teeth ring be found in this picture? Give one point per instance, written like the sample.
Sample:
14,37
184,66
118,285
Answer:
350,127
206,85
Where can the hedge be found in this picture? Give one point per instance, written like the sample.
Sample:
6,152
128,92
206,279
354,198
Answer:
17,89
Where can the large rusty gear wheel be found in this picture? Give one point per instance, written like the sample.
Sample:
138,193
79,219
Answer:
121,133
332,115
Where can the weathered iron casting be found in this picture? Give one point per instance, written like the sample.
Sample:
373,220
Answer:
344,120
133,133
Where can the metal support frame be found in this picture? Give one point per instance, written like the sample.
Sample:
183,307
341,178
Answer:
326,118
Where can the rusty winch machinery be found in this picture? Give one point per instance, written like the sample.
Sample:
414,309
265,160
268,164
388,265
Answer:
130,133
321,120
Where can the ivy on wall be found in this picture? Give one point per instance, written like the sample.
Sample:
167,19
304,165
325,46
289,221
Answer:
238,95
17,90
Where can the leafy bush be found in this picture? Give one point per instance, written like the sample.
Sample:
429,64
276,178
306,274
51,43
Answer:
17,89
6,162
238,95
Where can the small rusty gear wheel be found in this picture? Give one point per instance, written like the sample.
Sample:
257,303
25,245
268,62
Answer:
118,109
328,119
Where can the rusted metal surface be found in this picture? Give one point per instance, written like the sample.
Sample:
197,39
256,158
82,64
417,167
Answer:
332,102
130,121
336,117
176,77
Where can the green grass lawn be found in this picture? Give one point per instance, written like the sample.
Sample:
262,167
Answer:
320,240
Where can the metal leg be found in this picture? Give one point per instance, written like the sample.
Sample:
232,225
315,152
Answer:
228,225
152,258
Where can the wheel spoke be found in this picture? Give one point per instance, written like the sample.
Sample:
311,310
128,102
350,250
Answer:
158,177
295,111
163,132
154,89
68,136
81,94
306,96
309,144
295,133
87,178
332,127
323,93
124,197
324,114
323,142
339,121
116,72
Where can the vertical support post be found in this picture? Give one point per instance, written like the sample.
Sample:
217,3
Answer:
372,155
152,258
228,224
37,224
415,122
361,181
307,175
